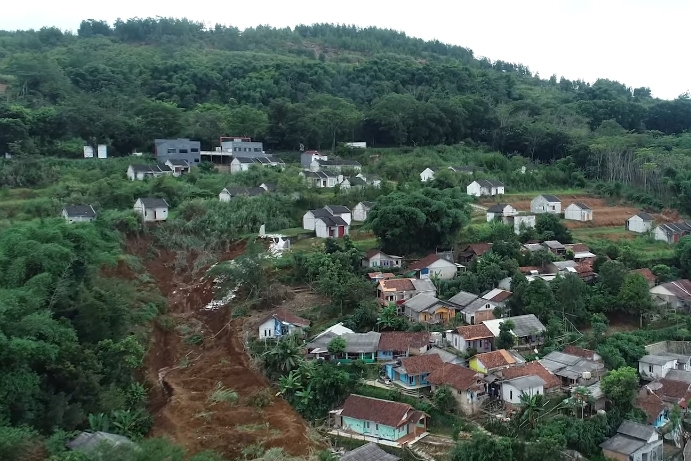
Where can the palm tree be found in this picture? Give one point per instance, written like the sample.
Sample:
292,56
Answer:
532,406
283,357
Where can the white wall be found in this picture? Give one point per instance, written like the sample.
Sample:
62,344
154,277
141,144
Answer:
266,329
497,190
541,205
360,212
427,175
513,395
442,269
659,234
474,189
658,371
574,213
636,224
322,230
224,196
308,221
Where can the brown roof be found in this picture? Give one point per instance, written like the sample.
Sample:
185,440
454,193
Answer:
371,253
381,275
579,248
580,352
529,269
502,296
647,274
424,262
420,364
283,315
679,288
496,359
672,389
479,248
532,368
456,376
393,414
652,406
403,340
470,332
397,285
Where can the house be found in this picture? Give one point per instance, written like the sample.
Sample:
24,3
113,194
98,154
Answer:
519,222
242,146
469,388
647,274
545,203
239,164
562,267
89,441
307,157
281,323
573,370
463,299
353,182
394,345
334,164
583,353
361,211
178,166
477,337
322,179
492,361
331,227
310,217
229,193
340,210
379,419
534,368
478,311
653,367
555,247
527,328
499,211
675,295
640,223
79,213
359,346
465,169
142,172
398,290
151,208
513,389
472,251
498,296
672,232
670,391
337,329
377,258
485,187
371,179
424,308
412,372
177,149
656,410
446,357
432,266
427,175
578,211
369,452
633,442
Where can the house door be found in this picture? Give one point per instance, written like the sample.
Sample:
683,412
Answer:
341,231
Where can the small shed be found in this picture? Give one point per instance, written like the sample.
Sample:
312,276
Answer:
427,175
361,211
152,208
578,211
640,223
79,213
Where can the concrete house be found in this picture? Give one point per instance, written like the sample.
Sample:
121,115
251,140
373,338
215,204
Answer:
640,223
309,219
512,389
340,210
498,296
573,370
151,208
322,179
379,419
491,361
472,251
424,308
469,388
281,323
79,213
242,146
434,266
377,258
307,157
578,211
527,328
239,164
177,149
545,203
485,187
399,290
634,442
142,172
653,367
412,372
334,164
331,227
178,166
477,337
369,452
555,247
500,210
478,311
462,299
427,175
394,345
229,193
672,232
361,211
359,346
674,295
534,368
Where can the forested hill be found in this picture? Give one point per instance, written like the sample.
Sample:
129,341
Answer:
128,83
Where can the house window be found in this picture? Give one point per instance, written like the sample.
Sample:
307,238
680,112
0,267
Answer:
196,160
510,395
172,151
257,149
182,151
650,368
194,150
376,426
365,424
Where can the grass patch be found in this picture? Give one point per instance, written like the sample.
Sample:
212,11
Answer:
221,394
253,427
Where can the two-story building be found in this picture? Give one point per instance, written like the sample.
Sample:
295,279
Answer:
178,149
242,146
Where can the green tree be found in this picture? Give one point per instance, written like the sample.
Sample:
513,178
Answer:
337,346
549,227
663,273
333,116
444,400
570,294
611,277
483,447
620,386
634,296
538,299
682,252
506,338
283,357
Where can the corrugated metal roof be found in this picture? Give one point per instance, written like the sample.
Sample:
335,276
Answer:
526,382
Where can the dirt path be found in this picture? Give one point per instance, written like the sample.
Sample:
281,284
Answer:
196,351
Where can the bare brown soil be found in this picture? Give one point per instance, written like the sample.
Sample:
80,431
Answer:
183,375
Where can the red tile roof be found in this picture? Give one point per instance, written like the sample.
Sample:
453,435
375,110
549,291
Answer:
479,248
424,262
580,352
479,331
283,315
421,364
647,274
532,368
496,359
456,376
371,253
501,296
403,340
672,389
652,406
392,414
397,285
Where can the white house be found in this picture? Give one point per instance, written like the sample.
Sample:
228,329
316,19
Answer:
578,211
322,179
142,172
655,366
521,220
377,258
229,193
434,266
370,179
178,166
361,211
499,211
640,223
512,389
545,203
634,441
427,175
239,164
280,324
676,294
306,158
671,232
331,226
152,208
79,213
340,210
309,218
485,187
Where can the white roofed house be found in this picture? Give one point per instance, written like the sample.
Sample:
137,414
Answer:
485,187
152,208
79,213
640,223
672,232
361,211
578,211
545,203
427,175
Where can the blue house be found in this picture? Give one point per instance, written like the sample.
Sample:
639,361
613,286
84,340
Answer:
412,372
281,323
655,409
394,345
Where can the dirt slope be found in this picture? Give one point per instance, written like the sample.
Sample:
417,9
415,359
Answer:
183,375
